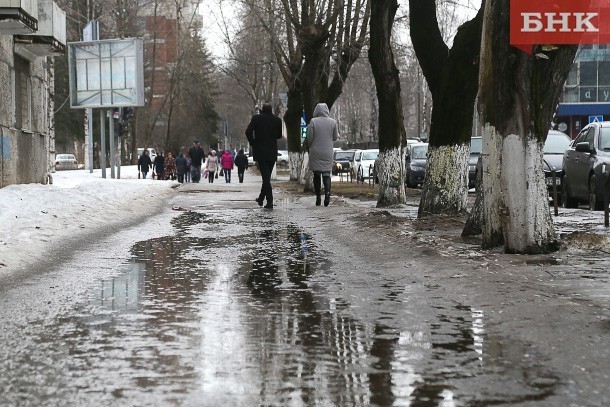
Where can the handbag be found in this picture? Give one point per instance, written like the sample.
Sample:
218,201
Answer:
221,172
216,175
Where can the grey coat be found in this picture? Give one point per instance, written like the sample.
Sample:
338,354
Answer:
321,132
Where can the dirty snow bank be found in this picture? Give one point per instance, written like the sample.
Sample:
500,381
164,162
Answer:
34,217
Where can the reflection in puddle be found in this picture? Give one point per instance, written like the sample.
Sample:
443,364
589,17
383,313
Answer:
194,319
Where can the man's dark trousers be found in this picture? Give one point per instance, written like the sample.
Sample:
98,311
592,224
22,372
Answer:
266,167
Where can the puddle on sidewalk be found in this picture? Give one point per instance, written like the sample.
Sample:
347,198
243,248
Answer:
227,311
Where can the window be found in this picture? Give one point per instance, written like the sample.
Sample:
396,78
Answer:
22,101
604,138
588,73
589,137
581,137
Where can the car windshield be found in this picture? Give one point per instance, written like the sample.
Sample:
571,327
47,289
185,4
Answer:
604,138
556,144
419,152
475,145
369,155
344,156
65,157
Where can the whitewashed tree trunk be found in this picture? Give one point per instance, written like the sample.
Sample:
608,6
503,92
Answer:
296,165
445,189
390,169
515,202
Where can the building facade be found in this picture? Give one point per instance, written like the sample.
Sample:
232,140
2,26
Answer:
31,33
586,95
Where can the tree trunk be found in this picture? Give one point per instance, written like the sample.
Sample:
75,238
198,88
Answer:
292,121
452,75
518,94
391,163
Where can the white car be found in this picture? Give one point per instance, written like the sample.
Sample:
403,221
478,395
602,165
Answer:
65,162
364,162
282,157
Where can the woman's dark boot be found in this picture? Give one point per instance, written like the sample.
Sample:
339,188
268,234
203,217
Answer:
326,190
317,188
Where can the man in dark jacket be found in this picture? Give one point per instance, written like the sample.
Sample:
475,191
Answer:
144,164
159,166
241,162
181,167
197,156
263,132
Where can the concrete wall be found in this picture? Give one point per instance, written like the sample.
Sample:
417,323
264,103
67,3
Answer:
25,153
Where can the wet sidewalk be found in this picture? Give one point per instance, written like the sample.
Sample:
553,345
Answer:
221,302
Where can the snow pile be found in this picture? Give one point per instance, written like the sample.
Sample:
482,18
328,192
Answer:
33,217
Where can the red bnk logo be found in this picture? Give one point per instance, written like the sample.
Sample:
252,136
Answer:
559,22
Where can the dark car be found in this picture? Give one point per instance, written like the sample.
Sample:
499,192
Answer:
555,145
476,144
585,167
416,159
342,162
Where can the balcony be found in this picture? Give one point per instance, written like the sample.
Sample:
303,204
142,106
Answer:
18,16
50,39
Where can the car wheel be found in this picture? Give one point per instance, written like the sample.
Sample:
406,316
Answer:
566,200
594,202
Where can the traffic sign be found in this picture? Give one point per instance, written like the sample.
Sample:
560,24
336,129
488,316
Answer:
593,119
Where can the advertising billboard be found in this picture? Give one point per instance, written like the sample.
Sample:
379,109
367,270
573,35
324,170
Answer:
106,73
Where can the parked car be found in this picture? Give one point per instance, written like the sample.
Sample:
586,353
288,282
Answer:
555,145
364,161
585,167
282,157
476,144
416,159
65,162
342,161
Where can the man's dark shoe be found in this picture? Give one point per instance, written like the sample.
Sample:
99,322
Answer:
259,201
326,199
318,200
268,206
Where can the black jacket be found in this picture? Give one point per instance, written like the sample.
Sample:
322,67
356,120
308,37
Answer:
144,163
159,164
263,132
197,156
241,161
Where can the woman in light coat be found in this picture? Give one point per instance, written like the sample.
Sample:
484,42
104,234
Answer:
321,132
211,165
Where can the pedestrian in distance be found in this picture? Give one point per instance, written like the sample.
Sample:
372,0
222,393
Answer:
197,158
189,162
226,161
181,167
159,166
241,162
263,133
322,130
144,164
170,166
211,166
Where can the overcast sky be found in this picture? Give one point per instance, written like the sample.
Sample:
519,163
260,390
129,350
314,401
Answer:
213,10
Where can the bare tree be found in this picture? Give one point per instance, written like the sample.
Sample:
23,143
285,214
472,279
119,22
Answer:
452,76
391,163
518,94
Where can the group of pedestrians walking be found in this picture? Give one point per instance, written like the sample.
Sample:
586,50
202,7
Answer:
263,132
191,166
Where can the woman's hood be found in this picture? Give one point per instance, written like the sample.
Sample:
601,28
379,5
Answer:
321,110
